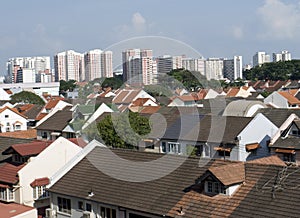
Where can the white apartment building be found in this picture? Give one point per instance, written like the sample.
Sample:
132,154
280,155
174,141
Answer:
194,64
92,63
69,65
214,68
39,64
26,75
107,64
260,58
282,56
139,66
233,68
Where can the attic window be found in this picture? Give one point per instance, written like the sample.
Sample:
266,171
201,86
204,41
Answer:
6,116
214,187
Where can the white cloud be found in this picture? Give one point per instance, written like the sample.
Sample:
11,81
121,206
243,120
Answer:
237,32
279,20
138,22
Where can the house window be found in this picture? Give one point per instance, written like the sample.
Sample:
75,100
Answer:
174,148
7,129
289,157
7,194
215,187
64,205
108,213
17,127
163,147
224,153
88,207
19,159
7,124
80,205
6,116
44,135
40,192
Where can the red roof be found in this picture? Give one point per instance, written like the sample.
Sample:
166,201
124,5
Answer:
51,104
26,134
15,110
27,149
41,116
232,92
9,173
290,98
13,210
40,182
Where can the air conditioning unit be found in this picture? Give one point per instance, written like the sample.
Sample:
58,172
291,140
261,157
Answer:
86,214
50,213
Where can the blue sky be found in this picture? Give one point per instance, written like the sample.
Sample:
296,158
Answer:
215,28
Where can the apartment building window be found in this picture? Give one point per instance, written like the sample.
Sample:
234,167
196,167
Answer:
64,205
40,192
108,212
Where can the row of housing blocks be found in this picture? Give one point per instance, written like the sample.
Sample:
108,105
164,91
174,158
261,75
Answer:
138,66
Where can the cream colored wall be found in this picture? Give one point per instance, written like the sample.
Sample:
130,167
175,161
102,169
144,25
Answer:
45,164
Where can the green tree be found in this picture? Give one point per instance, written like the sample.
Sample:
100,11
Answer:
67,85
27,97
123,130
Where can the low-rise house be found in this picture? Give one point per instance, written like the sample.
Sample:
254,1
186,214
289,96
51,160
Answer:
238,92
127,96
25,177
141,104
233,138
287,145
282,99
11,120
183,101
31,111
52,126
196,187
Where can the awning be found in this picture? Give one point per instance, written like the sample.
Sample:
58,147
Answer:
285,151
56,133
40,182
252,146
222,149
4,186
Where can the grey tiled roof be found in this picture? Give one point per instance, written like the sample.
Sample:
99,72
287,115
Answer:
259,196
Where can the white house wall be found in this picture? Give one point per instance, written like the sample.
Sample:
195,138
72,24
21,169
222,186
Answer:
276,99
11,119
47,163
259,130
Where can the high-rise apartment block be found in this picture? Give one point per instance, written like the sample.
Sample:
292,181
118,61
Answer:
139,66
35,65
233,68
282,56
92,64
107,64
260,58
69,65
214,68
194,64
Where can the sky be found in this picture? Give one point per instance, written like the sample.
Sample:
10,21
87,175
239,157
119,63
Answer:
214,28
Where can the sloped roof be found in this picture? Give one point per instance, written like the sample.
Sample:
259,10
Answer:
125,96
165,195
271,160
278,115
232,92
40,182
26,134
290,143
28,149
14,210
9,173
6,142
290,98
229,174
57,122
15,110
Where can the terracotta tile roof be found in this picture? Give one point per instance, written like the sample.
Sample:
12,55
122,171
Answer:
290,98
125,96
232,92
27,134
8,91
149,109
51,104
13,210
15,110
252,146
229,174
40,182
28,149
41,116
9,173
293,92
271,160
140,101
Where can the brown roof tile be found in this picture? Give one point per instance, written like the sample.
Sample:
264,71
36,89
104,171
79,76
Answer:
26,134
13,210
9,173
40,182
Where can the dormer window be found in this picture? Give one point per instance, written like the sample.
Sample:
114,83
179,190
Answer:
6,194
6,116
19,159
214,187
